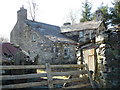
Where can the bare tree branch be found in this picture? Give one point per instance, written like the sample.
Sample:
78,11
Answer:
30,11
32,8
72,16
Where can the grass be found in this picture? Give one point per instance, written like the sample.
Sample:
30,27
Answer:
54,77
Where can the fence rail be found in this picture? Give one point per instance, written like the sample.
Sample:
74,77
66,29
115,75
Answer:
40,66
49,74
26,76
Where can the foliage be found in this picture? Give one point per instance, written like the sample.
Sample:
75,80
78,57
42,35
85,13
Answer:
115,13
86,12
111,15
105,12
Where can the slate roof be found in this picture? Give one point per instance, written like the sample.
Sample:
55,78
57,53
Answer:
90,25
52,32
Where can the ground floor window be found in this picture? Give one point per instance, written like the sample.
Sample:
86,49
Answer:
66,52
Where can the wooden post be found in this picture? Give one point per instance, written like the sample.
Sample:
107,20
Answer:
82,59
90,77
49,75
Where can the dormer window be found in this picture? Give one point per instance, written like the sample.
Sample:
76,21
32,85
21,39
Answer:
81,34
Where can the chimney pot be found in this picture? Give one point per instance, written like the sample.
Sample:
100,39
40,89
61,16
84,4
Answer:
22,14
66,24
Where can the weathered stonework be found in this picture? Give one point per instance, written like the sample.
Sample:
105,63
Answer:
85,31
42,41
108,59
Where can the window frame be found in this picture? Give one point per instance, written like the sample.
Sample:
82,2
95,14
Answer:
81,34
66,52
34,37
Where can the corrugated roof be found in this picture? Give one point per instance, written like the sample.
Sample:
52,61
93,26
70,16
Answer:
52,32
90,25
9,50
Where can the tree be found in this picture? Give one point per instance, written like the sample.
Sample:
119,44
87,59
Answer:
72,16
33,7
105,12
3,39
115,13
86,12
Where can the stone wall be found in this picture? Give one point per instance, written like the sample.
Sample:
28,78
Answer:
41,48
87,35
108,59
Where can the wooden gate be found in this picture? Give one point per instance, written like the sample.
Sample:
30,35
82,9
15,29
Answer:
75,76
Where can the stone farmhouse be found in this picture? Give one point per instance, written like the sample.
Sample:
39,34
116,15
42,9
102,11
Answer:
102,54
85,34
13,55
43,42
50,43
89,42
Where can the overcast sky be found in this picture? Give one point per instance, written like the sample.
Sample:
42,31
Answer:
53,12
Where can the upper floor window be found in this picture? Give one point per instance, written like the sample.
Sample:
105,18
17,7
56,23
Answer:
34,37
81,34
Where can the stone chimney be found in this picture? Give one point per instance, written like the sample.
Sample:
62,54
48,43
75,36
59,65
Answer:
66,24
22,14
99,15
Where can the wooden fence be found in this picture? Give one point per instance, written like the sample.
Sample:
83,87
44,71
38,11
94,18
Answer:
71,71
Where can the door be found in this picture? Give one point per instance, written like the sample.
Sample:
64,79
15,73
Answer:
89,58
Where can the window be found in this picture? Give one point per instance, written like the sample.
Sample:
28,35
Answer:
90,35
34,37
66,52
54,49
81,34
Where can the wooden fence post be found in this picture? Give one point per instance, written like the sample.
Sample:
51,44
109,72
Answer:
49,75
90,76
